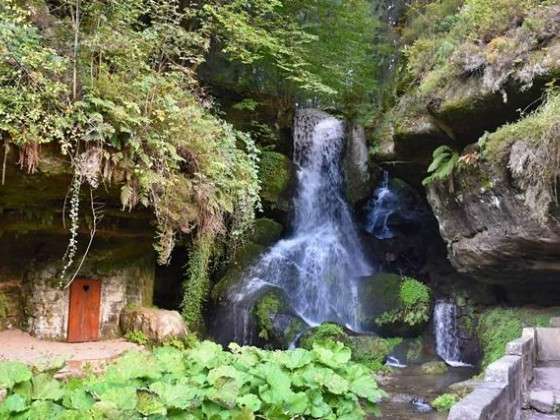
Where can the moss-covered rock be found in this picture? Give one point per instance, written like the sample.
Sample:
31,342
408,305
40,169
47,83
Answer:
379,294
395,306
266,232
434,368
275,173
244,257
278,326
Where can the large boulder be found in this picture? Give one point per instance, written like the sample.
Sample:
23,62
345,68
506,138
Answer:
158,325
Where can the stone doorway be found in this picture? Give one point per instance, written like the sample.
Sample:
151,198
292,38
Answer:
84,310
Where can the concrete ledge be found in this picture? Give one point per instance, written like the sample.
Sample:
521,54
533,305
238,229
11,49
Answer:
500,396
548,344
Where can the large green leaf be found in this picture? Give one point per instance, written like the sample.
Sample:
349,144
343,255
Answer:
332,354
249,401
41,410
12,373
170,360
180,396
150,405
123,397
133,365
207,355
78,399
15,404
46,388
366,387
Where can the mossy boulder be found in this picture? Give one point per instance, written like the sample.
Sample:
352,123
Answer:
395,306
277,324
266,232
434,368
379,293
276,174
244,257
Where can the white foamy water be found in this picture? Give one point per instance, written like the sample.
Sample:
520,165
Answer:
319,266
447,334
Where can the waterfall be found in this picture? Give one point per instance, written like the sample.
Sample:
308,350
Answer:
319,266
384,203
448,345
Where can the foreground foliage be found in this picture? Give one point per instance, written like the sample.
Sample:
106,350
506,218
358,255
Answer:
204,382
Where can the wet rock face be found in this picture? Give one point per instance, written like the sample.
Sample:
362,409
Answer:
355,164
497,227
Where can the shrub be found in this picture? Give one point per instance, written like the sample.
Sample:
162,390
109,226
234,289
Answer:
200,383
445,401
137,337
414,309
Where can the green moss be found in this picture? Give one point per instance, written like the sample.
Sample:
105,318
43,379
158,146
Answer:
264,311
196,285
498,326
324,332
3,307
434,368
266,231
244,257
275,175
247,254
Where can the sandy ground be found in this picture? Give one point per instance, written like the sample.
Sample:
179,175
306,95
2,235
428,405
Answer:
20,346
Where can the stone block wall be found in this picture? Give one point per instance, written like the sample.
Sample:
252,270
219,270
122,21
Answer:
500,396
46,305
11,313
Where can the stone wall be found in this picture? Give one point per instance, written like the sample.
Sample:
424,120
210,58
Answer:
500,395
46,305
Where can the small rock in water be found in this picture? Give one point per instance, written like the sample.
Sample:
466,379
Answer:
394,362
421,405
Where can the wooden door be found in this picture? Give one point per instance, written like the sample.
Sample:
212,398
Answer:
84,310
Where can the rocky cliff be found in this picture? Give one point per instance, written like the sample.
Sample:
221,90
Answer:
494,106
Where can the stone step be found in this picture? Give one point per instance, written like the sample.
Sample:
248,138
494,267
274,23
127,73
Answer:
532,415
546,378
544,401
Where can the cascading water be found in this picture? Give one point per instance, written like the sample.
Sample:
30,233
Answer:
384,203
319,267
448,345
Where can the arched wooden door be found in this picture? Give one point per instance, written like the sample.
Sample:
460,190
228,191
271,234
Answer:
84,310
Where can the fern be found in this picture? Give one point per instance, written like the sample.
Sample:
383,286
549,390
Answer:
444,160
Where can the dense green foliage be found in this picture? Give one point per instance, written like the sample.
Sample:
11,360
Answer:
498,326
323,49
457,38
113,85
369,350
414,306
203,382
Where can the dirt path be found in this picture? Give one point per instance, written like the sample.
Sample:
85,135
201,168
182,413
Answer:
20,346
